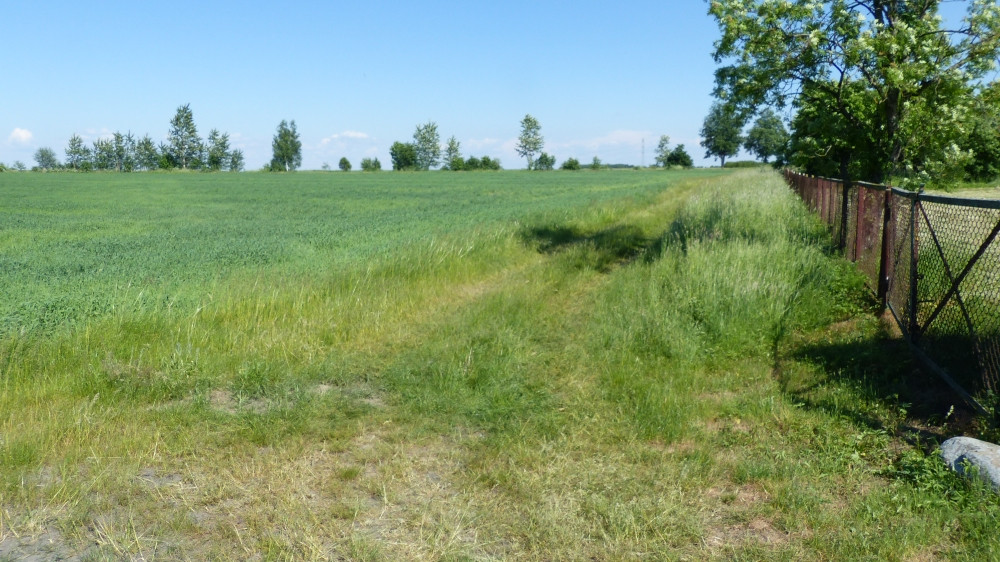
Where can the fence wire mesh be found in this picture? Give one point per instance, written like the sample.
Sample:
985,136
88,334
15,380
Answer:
934,261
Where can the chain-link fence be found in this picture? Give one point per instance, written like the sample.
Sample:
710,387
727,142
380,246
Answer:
933,261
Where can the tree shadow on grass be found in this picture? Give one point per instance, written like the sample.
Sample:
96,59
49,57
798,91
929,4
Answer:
602,250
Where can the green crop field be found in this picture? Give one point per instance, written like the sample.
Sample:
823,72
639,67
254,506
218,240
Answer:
455,366
77,246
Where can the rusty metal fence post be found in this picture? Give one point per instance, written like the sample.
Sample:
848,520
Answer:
937,270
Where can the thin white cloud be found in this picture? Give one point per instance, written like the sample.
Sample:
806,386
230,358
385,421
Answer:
20,136
480,144
346,135
91,135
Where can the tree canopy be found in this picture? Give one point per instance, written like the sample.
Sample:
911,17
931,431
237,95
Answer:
679,157
887,69
286,148
720,132
185,145
662,151
768,136
46,159
530,140
427,146
404,155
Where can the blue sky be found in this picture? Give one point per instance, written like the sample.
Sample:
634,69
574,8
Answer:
599,76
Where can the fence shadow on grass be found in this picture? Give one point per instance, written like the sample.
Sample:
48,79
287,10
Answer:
881,370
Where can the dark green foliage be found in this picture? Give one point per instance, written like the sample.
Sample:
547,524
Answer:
570,164
456,164
344,164
286,148
427,146
453,155
983,138
826,143
767,137
679,157
76,152
185,145
545,162
893,72
104,154
721,132
146,155
484,163
236,161
219,156
370,165
404,156
595,164
530,140
46,159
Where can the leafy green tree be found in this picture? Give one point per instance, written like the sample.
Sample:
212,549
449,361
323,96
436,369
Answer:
370,165
473,163
662,151
679,157
570,164
545,162
453,155
166,160
487,163
183,140
427,146
219,156
721,132
595,164
76,152
530,140
286,148
123,152
344,164
104,154
46,159
146,155
19,166
826,143
236,161
404,156
983,137
768,136
887,68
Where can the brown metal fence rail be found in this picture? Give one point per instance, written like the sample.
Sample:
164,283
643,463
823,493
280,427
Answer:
934,262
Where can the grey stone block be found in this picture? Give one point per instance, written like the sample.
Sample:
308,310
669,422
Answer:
961,453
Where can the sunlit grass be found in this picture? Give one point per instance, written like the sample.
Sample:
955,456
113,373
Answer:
637,376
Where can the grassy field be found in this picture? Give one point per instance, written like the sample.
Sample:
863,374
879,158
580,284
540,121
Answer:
593,365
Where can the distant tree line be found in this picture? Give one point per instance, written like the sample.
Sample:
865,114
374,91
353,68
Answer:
123,152
184,149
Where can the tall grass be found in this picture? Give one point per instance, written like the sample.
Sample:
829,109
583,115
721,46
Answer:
593,380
